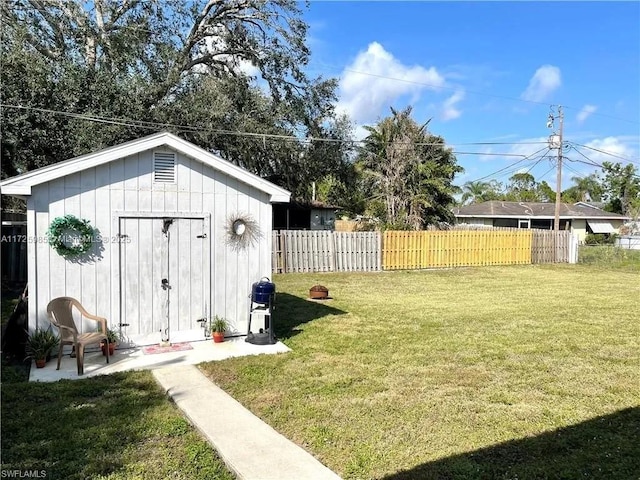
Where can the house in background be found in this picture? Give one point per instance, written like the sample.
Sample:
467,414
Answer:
580,218
163,255
314,215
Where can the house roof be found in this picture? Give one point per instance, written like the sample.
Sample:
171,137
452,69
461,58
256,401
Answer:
21,185
499,209
599,205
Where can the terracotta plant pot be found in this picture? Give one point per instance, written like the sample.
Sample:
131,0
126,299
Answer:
218,337
41,362
112,349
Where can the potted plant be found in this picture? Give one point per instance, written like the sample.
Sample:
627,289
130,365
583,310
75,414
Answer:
40,344
218,326
112,337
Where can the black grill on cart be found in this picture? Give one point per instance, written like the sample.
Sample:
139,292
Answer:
261,306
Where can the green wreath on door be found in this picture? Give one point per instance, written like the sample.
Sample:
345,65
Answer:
68,225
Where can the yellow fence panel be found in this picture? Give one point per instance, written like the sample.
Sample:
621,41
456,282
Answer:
405,250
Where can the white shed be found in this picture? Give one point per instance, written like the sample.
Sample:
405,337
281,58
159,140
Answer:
163,256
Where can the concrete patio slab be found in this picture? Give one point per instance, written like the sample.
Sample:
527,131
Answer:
136,359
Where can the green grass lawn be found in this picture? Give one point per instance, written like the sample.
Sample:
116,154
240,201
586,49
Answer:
521,372
113,427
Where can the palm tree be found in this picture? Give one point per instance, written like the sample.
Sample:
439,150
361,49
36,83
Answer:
588,188
409,170
479,191
474,191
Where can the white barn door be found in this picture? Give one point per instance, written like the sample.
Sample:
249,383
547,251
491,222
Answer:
164,279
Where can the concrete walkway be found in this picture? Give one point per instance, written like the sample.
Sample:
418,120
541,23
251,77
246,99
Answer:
250,448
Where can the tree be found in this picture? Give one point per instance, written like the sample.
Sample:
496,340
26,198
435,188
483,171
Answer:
584,189
522,187
545,192
621,185
479,191
162,42
409,171
135,67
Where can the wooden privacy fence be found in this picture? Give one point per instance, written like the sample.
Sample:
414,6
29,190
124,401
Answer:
554,247
325,251
329,251
455,248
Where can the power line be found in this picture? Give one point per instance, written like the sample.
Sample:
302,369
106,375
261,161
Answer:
606,153
512,165
535,164
156,125
595,164
547,172
491,154
569,167
589,161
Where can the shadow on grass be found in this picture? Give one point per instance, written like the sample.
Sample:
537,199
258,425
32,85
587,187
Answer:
97,427
292,311
51,426
605,447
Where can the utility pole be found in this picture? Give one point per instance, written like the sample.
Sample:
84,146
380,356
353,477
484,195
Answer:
555,141
556,223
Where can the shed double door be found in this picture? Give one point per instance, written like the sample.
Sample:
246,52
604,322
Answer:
164,287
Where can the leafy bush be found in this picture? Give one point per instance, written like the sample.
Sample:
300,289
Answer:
600,239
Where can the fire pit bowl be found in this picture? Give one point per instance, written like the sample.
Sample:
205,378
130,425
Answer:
318,292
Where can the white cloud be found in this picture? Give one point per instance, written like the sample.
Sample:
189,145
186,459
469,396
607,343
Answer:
449,110
544,82
614,145
586,112
365,97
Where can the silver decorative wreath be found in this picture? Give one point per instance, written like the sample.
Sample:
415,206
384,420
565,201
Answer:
242,231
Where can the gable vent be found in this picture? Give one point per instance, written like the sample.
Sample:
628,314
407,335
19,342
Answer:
164,167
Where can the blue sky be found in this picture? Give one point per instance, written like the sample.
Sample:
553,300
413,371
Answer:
489,72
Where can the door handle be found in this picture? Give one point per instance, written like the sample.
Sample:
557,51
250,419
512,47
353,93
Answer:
165,284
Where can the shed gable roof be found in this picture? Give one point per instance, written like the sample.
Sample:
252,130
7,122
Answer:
500,209
21,184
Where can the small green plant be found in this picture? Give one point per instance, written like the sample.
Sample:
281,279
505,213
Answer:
112,336
219,324
41,343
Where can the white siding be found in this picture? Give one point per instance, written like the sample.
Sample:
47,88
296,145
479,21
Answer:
579,228
126,186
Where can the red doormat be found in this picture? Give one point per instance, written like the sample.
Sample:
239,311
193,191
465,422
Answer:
176,347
